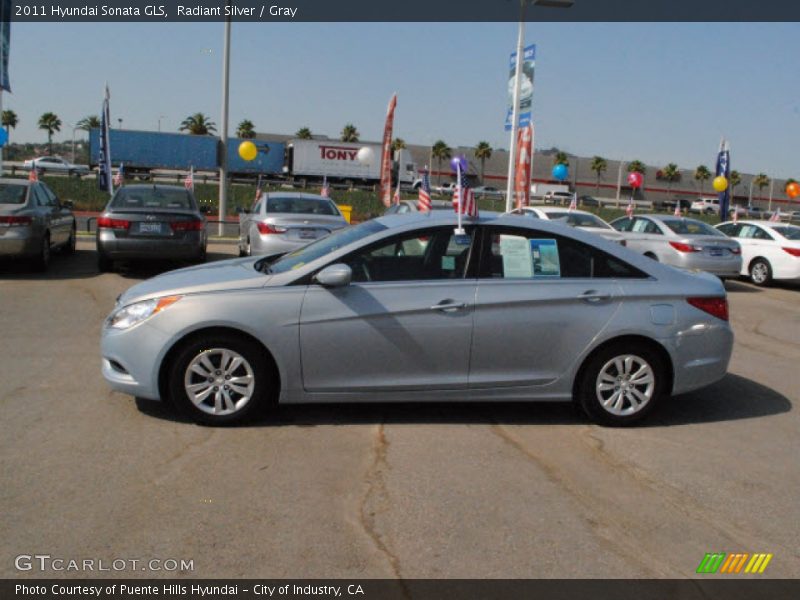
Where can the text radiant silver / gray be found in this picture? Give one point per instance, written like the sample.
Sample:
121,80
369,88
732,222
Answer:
401,309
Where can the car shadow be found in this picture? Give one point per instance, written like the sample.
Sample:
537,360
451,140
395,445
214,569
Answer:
739,285
730,399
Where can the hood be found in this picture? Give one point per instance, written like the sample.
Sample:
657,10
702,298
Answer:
234,274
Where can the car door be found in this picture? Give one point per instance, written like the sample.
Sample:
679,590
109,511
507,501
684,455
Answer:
47,214
758,243
645,237
62,219
403,324
541,300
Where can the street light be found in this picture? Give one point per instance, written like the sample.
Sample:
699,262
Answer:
512,155
223,155
159,122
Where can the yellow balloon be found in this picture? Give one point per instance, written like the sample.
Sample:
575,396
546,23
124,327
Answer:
248,150
720,183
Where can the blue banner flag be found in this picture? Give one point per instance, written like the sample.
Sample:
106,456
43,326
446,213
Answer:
104,179
5,42
525,89
724,169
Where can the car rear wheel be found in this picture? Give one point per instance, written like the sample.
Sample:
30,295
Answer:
42,261
69,248
621,384
760,272
221,379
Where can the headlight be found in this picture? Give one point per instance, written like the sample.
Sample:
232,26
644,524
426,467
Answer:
130,315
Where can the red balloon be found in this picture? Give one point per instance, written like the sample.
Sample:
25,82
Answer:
793,190
635,179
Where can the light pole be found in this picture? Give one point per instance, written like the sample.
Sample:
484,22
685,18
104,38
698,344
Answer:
512,154
223,154
159,122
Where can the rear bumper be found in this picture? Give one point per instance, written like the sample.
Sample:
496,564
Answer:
729,266
18,241
700,356
190,246
273,244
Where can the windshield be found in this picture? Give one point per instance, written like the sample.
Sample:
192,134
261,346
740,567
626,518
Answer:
302,206
11,193
580,220
690,227
789,232
148,198
306,254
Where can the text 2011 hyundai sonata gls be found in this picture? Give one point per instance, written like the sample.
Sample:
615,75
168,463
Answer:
402,308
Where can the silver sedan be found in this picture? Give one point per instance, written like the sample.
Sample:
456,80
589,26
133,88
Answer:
681,242
404,308
280,222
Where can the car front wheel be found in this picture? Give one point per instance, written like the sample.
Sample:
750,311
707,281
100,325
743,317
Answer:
221,379
42,261
621,384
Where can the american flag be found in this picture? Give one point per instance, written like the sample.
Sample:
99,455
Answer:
396,197
573,205
188,183
33,176
424,202
325,192
120,175
776,216
464,197
677,212
629,209
735,215
258,190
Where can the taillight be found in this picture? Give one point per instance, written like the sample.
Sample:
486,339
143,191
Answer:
109,223
15,221
681,247
265,228
736,250
792,251
717,307
187,225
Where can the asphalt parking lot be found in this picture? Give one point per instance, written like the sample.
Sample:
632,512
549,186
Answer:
422,491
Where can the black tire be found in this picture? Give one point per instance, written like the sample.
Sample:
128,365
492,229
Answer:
760,272
69,247
603,361
265,386
104,263
42,260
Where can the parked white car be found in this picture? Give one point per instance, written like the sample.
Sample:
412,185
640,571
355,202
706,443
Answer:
557,198
446,188
579,219
769,250
705,206
55,164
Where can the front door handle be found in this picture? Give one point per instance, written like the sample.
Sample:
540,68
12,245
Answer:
449,306
594,296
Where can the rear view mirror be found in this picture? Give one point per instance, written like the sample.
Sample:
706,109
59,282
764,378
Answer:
338,275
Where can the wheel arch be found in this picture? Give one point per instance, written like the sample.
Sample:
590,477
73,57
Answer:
163,368
628,339
759,257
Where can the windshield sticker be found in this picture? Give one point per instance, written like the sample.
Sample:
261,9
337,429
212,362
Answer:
545,258
517,257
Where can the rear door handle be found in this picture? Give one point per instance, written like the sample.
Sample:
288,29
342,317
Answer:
449,306
594,296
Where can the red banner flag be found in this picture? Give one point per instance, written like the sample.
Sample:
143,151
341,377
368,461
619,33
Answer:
386,154
522,182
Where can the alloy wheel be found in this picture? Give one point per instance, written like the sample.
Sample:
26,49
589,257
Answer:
219,381
625,385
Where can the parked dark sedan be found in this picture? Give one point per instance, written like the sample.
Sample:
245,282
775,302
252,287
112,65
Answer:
33,222
151,222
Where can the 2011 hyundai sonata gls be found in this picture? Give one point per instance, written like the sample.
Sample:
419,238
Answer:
402,308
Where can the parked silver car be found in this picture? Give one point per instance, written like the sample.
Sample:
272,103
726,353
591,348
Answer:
55,164
406,206
151,222
681,242
574,218
401,308
283,221
34,222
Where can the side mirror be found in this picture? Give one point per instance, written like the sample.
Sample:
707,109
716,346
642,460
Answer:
338,275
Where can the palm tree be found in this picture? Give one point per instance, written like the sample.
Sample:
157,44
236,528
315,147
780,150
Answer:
198,124
671,173
599,165
10,120
761,180
350,133
246,130
50,123
304,133
88,123
636,166
702,174
561,158
734,180
483,151
397,145
441,151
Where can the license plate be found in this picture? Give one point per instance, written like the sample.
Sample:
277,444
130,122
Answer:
716,252
307,234
149,227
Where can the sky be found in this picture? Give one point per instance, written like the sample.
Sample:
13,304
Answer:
656,92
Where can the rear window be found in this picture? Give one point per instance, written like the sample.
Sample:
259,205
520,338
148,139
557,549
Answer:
579,220
11,193
149,198
690,227
302,206
790,233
